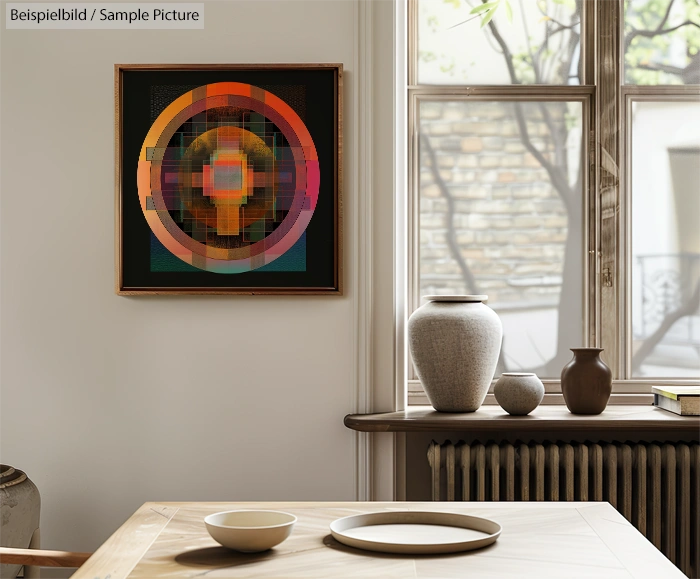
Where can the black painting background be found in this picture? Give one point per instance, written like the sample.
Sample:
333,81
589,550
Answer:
320,234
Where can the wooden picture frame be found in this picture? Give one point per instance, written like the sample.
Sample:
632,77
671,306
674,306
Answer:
228,179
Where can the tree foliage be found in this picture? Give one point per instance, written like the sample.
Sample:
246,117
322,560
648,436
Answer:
551,29
662,39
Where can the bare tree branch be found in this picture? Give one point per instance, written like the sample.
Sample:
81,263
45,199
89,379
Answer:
558,139
535,62
464,21
660,67
507,54
686,309
535,56
451,234
555,20
659,30
488,38
666,15
556,175
559,179
551,33
654,33
681,25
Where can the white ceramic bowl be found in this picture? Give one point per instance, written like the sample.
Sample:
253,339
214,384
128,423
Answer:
250,531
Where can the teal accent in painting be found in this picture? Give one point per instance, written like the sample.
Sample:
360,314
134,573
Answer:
292,260
164,261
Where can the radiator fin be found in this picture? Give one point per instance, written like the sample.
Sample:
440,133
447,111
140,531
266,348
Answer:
568,469
524,457
695,507
668,485
639,488
596,467
450,458
683,461
655,486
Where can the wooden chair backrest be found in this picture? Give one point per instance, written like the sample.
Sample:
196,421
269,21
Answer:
42,557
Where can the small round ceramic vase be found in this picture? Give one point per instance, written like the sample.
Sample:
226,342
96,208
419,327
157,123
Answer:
518,393
586,382
454,343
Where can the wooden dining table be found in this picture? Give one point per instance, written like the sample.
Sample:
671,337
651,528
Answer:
539,540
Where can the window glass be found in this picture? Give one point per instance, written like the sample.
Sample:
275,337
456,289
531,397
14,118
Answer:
662,38
501,214
525,42
666,239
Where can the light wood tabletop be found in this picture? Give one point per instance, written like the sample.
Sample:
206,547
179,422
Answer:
539,540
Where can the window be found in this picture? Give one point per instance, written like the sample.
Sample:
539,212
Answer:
554,165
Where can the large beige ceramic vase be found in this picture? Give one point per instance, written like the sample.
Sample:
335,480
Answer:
454,343
20,504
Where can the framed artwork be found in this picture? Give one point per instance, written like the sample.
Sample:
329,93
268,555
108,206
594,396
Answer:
229,179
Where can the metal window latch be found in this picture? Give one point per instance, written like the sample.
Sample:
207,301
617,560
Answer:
607,277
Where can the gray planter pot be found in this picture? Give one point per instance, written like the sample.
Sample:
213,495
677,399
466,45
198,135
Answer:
454,343
19,508
518,393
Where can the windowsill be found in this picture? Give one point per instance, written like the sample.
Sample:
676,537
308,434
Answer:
628,392
627,421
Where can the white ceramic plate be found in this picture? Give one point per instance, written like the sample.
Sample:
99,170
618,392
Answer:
457,298
415,532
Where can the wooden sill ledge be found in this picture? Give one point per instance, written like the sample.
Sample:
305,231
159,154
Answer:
631,422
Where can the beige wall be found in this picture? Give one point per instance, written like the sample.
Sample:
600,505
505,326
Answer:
110,401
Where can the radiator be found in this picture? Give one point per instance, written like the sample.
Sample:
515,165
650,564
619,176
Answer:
655,486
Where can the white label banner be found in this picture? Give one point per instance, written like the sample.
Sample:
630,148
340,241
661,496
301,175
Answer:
100,16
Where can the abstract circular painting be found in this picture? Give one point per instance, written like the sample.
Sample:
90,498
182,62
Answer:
228,177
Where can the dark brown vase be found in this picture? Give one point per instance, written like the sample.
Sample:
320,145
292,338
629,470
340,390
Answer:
586,382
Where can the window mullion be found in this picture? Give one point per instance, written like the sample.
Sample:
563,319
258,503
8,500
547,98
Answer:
609,273
588,43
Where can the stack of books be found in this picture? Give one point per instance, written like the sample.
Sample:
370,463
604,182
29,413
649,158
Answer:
683,400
